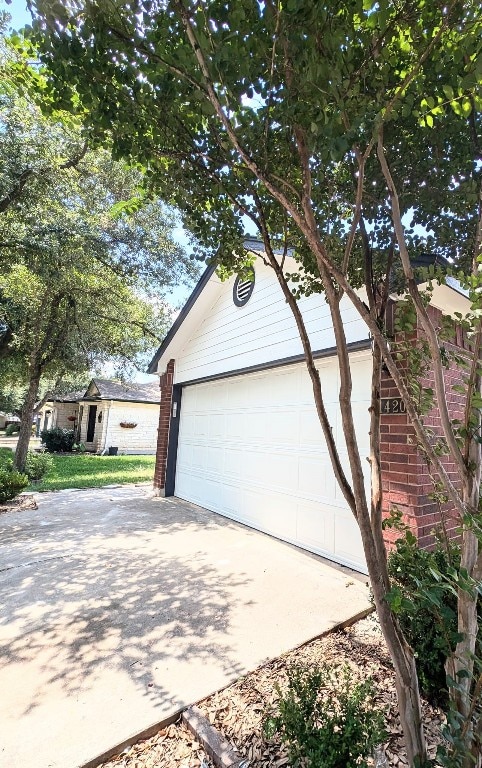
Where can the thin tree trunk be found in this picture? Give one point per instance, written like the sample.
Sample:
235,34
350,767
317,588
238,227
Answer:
28,409
406,678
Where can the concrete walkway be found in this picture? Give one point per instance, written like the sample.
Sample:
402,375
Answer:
119,609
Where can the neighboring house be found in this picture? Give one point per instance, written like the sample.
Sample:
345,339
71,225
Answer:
109,414
118,415
61,411
8,418
238,429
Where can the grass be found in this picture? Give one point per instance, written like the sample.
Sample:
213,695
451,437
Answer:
86,470
89,471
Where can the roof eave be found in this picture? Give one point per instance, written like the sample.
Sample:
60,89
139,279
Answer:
203,281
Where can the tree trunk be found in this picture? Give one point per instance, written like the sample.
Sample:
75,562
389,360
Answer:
371,532
28,409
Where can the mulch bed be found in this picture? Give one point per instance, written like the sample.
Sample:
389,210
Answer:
172,747
239,710
25,501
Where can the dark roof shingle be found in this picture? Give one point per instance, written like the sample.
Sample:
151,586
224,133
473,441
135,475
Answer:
116,390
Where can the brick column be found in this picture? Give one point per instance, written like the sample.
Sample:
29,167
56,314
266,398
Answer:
166,382
405,475
400,463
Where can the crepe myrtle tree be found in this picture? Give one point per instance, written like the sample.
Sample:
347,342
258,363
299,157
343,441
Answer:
348,133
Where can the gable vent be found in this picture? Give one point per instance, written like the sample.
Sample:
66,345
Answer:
242,291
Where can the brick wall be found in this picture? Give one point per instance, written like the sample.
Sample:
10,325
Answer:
166,382
405,475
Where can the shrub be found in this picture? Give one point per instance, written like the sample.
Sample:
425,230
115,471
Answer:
327,718
37,465
58,440
12,429
11,482
424,597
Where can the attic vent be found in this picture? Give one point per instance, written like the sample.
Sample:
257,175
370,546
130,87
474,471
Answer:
242,291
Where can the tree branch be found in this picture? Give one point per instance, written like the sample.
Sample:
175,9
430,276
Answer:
422,313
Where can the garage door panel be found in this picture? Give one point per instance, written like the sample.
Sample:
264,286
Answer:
235,426
272,513
255,427
315,478
217,425
213,459
233,462
282,427
201,425
311,433
251,448
330,384
347,539
315,528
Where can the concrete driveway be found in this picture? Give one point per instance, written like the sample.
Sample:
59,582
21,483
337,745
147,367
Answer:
119,609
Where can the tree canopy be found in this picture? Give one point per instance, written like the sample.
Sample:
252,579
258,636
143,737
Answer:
332,73
87,256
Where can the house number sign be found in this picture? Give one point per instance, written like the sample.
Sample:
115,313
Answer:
393,405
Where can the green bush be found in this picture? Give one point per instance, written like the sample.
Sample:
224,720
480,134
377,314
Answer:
11,482
57,440
12,429
37,465
326,718
424,597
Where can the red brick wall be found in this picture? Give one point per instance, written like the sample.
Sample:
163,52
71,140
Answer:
405,475
166,382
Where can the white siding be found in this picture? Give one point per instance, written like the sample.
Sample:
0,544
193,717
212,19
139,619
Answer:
141,439
230,337
61,414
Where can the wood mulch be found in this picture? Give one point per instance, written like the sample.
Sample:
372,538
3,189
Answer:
171,747
24,501
238,711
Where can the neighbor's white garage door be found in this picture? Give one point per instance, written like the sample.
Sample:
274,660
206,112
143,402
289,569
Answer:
251,448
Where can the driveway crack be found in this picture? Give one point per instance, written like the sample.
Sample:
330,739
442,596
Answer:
35,562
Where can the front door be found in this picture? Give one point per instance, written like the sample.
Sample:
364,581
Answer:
91,423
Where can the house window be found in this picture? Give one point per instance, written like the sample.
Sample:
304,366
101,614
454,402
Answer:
242,290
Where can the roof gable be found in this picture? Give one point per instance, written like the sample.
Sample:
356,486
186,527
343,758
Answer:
213,337
110,389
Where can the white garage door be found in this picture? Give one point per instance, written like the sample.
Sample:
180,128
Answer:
251,448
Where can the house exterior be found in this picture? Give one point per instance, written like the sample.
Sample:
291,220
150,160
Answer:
109,414
238,429
62,412
8,418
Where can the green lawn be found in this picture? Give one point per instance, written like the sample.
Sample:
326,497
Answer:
89,471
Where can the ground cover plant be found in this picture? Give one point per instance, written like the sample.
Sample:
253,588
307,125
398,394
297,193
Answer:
37,465
91,471
326,717
12,482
